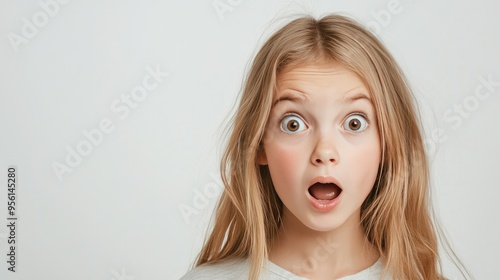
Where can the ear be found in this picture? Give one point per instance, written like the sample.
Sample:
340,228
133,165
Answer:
261,155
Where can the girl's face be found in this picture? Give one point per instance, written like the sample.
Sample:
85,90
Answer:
323,129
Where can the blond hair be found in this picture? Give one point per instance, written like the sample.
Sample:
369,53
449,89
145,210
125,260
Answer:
397,216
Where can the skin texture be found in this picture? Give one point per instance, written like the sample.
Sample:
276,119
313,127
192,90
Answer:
324,125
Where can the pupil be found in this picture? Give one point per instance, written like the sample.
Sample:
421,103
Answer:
354,124
293,125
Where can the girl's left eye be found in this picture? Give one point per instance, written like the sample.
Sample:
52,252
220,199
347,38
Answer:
292,124
355,123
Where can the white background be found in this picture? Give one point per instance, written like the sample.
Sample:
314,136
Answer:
117,214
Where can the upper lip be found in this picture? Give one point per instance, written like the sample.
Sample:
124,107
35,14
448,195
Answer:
325,180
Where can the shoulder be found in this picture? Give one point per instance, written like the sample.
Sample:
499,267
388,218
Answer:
223,270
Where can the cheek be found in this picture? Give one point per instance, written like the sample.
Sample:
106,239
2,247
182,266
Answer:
282,159
284,163
365,161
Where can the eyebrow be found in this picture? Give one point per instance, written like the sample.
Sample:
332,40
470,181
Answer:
354,98
292,96
301,98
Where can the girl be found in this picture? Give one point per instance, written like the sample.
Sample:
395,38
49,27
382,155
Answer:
325,172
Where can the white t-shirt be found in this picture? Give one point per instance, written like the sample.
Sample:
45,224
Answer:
239,270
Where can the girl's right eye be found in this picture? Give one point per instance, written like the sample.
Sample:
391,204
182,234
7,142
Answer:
292,124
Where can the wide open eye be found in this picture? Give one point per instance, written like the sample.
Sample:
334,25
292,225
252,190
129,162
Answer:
355,123
292,124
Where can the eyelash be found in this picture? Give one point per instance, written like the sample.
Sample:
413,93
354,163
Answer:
286,115
299,116
361,114
357,114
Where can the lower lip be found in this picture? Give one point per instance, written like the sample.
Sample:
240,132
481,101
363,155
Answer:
324,205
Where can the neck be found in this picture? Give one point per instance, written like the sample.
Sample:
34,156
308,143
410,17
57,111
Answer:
322,255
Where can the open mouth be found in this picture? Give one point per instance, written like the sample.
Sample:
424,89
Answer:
324,191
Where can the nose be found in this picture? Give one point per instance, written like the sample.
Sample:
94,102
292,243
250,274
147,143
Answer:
324,153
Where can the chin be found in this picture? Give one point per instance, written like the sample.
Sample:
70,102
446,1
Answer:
325,224
332,221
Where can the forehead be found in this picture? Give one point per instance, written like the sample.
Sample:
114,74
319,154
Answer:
330,77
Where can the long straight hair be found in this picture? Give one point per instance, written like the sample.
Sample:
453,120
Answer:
397,215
